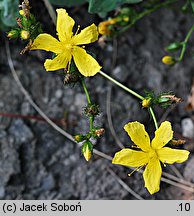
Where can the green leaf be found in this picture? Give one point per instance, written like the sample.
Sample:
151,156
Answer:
67,3
174,46
102,6
9,12
192,5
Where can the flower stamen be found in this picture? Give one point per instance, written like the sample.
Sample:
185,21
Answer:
78,28
136,169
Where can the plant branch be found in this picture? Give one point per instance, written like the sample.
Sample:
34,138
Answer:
121,85
153,117
91,118
185,42
147,12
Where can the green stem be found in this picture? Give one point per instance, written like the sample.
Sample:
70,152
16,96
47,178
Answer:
85,90
153,117
131,92
89,101
121,85
91,122
147,12
185,43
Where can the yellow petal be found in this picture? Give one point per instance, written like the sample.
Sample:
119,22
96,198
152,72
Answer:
86,36
64,25
138,135
170,156
129,157
85,63
162,135
57,63
152,176
48,43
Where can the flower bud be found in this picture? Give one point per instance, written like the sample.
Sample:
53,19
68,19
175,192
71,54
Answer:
146,102
103,27
177,142
21,12
99,132
14,33
166,100
79,138
126,18
91,110
168,60
87,149
25,34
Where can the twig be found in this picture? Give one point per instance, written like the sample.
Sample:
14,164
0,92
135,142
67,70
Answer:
109,118
51,11
191,189
176,171
35,106
30,117
124,185
166,113
182,181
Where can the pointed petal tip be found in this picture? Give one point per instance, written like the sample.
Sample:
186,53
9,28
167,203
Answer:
151,191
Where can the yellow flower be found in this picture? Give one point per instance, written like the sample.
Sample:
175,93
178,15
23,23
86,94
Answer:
152,153
67,47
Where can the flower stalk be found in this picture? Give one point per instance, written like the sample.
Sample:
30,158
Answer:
147,12
121,85
185,42
91,117
131,92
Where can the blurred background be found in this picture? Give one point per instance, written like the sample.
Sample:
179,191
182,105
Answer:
37,162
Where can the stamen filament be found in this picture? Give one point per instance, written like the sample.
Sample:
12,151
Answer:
136,169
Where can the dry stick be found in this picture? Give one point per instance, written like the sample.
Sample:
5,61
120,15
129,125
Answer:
34,105
108,101
176,171
109,118
124,185
190,189
60,130
178,179
51,11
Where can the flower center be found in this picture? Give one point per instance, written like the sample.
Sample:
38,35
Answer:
152,154
68,46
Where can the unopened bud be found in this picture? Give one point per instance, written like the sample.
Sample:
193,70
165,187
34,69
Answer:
21,12
13,34
25,35
168,60
177,142
91,110
166,100
99,132
126,18
79,138
146,102
87,149
103,27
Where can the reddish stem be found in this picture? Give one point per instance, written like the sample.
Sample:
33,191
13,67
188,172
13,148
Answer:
37,118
